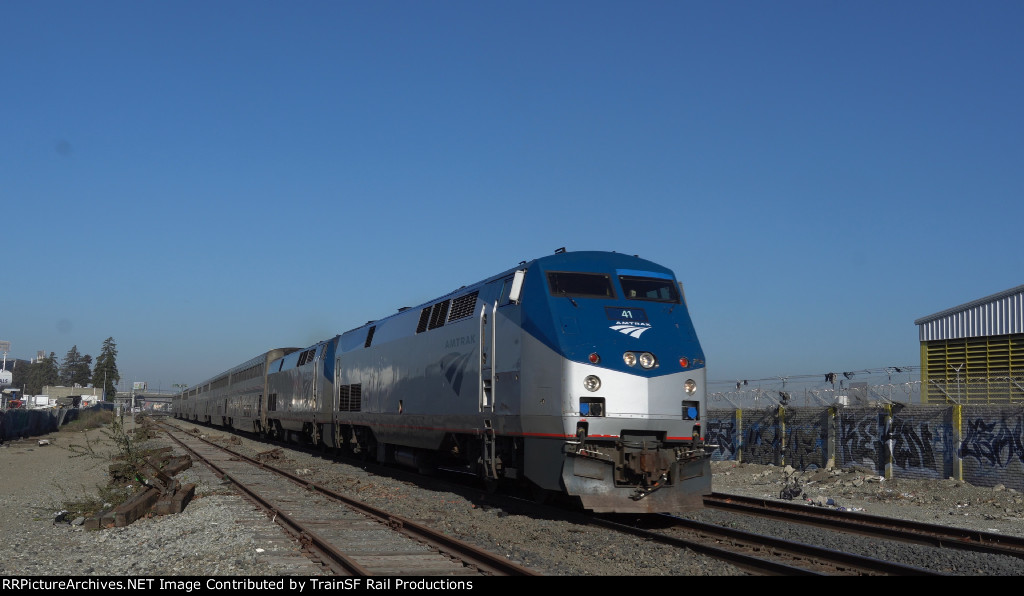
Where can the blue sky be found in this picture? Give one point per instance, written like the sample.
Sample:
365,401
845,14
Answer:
202,181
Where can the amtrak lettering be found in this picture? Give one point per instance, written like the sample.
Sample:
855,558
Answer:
456,342
454,363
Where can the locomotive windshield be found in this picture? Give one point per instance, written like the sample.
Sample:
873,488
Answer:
649,288
580,285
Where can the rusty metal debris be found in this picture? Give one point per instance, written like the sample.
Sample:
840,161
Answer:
275,453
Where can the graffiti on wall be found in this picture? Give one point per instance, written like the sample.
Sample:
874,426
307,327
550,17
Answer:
859,438
761,442
806,447
913,444
920,441
994,443
722,434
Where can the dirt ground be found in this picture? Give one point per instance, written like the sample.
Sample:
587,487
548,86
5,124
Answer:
948,501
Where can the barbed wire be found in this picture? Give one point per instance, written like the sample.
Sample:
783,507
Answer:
999,389
828,377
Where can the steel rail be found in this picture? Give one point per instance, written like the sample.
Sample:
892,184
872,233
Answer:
873,525
480,559
335,559
752,563
843,563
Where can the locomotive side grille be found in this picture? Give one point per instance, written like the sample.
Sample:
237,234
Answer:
439,314
424,320
307,357
355,400
436,316
350,397
463,306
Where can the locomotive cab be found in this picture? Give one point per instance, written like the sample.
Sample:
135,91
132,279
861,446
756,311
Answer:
632,382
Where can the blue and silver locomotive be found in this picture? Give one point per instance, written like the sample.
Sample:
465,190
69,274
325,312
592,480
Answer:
578,373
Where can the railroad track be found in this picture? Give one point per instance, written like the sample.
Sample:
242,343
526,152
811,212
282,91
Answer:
871,525
340,533
761,554
750,552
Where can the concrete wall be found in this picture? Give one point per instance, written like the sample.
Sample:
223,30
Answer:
993,446
807,432
983,445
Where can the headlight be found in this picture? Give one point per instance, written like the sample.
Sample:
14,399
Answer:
690,386
629,358
647,360
592,383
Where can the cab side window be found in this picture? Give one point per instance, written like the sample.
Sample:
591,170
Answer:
506,289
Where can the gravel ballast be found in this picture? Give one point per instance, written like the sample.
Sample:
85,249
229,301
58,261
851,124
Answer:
222,534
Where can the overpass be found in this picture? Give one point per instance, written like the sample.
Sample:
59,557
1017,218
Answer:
149,401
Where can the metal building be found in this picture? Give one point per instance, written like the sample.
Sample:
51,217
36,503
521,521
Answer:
974,353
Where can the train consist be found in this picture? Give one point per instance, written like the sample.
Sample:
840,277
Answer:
578,373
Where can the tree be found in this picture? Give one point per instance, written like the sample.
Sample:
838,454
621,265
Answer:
19,375
83,372
105,371
76,368
40,374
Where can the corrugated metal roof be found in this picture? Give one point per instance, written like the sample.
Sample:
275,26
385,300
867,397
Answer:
998,314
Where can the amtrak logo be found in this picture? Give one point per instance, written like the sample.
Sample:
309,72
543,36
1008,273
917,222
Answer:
630,329
453,366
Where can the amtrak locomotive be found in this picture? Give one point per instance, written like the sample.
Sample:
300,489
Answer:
578,373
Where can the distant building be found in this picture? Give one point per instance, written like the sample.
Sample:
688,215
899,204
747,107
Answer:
974,353
90,395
